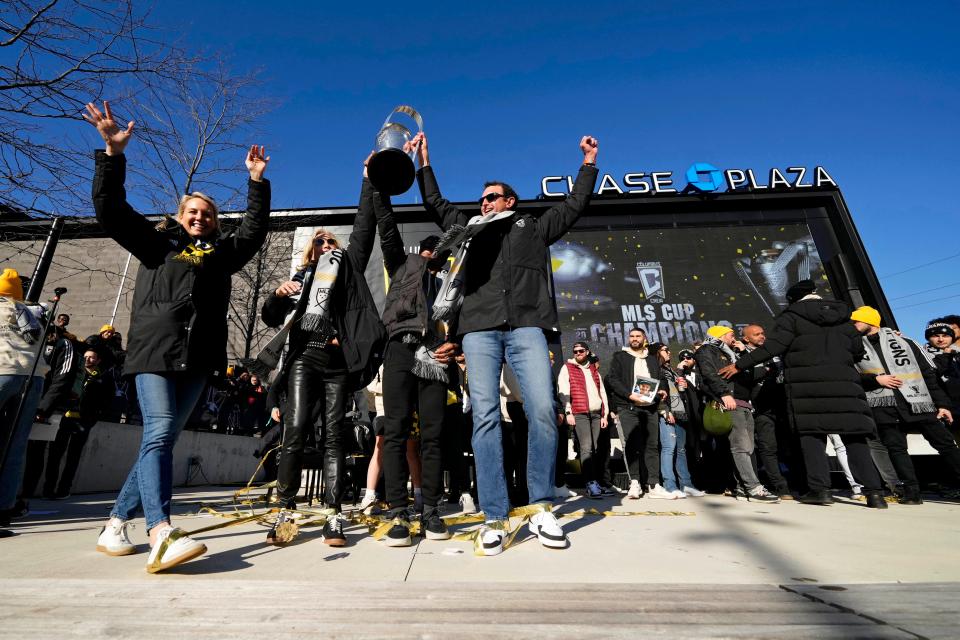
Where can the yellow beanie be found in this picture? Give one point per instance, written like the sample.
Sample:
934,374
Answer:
107,327
868,315
10,284
718,330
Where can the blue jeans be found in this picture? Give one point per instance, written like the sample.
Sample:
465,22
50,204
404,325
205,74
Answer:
166,401
525,349
10,388
673,440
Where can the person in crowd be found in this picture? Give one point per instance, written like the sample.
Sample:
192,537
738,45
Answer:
255,404
61,355
904,393
943,345
20,342
769,408
718,351
178,326
560,489
63,321
505,307
856,489
91,393
674,421
583,398
953,321
820,349
416,374
335,346
103,342
639,418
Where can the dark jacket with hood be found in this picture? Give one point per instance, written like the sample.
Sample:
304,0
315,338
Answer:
948,370
352,309
710,359
820,348
507,275
619,379
178,320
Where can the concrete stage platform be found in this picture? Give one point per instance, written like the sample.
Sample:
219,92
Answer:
734,569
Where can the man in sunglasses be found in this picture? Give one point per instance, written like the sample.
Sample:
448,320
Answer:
507,305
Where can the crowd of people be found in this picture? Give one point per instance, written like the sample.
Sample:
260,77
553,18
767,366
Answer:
467,403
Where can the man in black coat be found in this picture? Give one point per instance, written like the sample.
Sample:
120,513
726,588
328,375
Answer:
904,393
639,420
820,349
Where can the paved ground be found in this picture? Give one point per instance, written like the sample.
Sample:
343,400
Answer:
731,569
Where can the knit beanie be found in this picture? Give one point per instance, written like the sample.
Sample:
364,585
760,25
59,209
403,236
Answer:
106,327
10,284
718,331
939,328
867,315
799,290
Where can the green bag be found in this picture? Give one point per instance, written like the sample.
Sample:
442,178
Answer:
717,420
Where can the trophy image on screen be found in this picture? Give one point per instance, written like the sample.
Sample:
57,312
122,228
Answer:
391,170
770,274
646,388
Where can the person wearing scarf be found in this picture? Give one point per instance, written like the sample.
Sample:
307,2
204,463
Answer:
330,327
942,345
904,394
415,377
501,298
674,420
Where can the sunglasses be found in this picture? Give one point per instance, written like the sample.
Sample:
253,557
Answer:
579,350
322,241
491,197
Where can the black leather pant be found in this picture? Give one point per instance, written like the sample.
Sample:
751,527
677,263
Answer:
311,394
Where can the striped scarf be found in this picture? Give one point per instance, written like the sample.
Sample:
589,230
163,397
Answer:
900,362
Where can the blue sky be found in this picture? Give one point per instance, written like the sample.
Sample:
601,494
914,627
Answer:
869,90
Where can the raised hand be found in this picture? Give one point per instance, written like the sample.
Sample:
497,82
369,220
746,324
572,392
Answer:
372,153
589,145
419,145
256,162
116,139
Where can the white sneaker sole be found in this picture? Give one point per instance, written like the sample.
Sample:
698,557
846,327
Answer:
437,536
492,551
398,542
550,543
125,551
188,555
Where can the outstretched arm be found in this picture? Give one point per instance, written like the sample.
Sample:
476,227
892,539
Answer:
559,218
391,243
244,243
446,214
364,232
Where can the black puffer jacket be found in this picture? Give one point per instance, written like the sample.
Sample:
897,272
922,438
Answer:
820,347
353,311
179,317
507,278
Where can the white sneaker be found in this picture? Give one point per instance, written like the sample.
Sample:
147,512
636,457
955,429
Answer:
593,490
114,540
679,495
660,493
467,503
693,492
369,498
563,492
548,530
491,537
173,547
634,492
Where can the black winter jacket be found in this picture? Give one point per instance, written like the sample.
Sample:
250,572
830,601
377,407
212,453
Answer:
619,379
353,311
710,359
507,279
64,365
92,393
948,370
902,412
405,309
178,321
820,348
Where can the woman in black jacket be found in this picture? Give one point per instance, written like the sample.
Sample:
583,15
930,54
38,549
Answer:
178,328
326,363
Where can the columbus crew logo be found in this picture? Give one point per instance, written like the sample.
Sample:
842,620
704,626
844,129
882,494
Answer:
651,279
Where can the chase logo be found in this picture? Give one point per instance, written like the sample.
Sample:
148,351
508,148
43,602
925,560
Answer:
705,177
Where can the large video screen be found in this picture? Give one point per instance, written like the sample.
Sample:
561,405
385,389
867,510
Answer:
676,283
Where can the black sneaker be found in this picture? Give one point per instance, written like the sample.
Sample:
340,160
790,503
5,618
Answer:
273,536
911,495
760,494
875,500
816,497
433,525
333,531
399,534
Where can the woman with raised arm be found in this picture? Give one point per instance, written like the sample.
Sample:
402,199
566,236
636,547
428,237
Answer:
178,327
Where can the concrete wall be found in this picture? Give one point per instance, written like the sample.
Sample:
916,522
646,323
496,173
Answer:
112,449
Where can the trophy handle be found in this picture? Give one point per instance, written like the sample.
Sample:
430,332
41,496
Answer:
406,110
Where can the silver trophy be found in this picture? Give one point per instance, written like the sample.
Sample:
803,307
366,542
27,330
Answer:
390,169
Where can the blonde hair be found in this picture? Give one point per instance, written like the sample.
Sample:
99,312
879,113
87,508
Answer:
196,194
308,257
